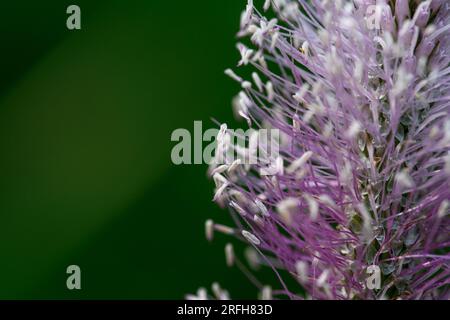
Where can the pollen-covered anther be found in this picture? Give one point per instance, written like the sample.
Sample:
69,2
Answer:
286,209
266,293
270,91
404,179
258,82
220,169
447,164
301,268
220,293
353,130
229,254
238,208
220,191
300,94
219,179
443,209
322,279
299,163
234,165
262,208
327,200
305,48
209,229
246,54
250,237
252,257
274,40
247,14
224,229
233,75
313,207
258,220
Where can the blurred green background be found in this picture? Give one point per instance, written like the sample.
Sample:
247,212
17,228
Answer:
85,171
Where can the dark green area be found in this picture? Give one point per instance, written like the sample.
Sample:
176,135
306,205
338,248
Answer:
85,124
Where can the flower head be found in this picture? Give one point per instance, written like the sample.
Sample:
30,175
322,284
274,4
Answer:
360,92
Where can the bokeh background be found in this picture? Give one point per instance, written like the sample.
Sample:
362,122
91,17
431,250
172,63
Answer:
85,124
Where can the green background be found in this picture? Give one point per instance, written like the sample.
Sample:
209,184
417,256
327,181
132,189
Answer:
85,170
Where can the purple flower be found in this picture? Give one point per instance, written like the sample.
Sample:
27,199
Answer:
360,93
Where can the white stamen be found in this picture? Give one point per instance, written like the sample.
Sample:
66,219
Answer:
296,41
246,85
353,131
245,99
443,209
328,130
270,92
300,94
333,62
286,208
404,179
246,117
275,37
407,25
296,123
317,86
347,23
301,268
219,179
258,220
220,293
209,229
447,164
224,229
252,29
229,254
323,36
322,280
266,5
262,208
219,169
238,208
272,23
313,206
279,166
421,65
202,294
300,162
326,199
346,174
429,30
222,132
251,237
402,82
259,57
252,257
246,54
305,48
216,289
358,73
233,75
247,14
257,81
266,293
367,219
236,163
